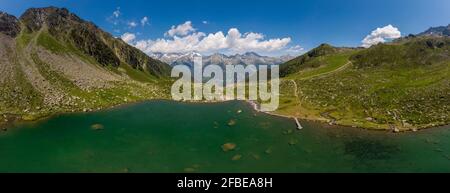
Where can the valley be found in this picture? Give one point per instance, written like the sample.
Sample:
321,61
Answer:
54,62
84,97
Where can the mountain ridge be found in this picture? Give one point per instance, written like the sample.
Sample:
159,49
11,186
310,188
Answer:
9,24
52,61
248,58
397,86
296,64
90,39
437,31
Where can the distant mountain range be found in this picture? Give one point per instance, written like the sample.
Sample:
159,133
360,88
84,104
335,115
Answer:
437,31
249,58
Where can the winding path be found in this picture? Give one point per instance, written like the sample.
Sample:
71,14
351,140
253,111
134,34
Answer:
329,72
343,67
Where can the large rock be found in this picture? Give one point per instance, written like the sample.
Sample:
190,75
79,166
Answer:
229,147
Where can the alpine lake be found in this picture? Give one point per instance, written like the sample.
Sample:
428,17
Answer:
165,136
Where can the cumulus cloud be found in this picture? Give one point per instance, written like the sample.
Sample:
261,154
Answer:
186,39
181,30
144,21
128,37
381,35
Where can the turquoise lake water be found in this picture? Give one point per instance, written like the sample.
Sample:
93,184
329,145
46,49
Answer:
166,136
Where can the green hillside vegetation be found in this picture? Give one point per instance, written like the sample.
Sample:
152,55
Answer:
46,71
323,65
313,59
397,86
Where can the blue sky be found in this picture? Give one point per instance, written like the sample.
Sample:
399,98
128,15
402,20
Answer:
304,23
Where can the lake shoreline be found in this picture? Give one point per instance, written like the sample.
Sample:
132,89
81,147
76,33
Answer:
325,122
166,136
12,120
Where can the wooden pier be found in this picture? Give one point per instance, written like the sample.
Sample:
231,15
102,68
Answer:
299,126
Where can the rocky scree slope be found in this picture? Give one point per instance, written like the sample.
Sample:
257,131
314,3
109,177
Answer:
53,61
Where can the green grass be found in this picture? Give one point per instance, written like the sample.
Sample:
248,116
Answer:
417,96
405,84
325,65
20,98
18,94
137,74
23,39
117,94
47,41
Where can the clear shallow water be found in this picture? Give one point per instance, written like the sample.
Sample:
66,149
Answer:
164,136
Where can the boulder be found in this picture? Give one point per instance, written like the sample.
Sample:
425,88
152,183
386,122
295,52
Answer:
236,157
228,147
97,127
232,122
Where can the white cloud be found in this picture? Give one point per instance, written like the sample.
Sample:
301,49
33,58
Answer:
128,37
132,24
117,13
144,21
181,30
205,22
232,42
381,35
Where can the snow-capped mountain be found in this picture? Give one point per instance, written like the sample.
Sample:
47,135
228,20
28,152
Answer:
249,58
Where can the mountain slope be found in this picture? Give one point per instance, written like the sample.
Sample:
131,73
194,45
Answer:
403,85
52,61
88,38
311,59
415,51
437,31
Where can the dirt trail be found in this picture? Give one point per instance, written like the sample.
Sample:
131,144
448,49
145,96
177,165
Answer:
297,90
343,67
